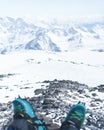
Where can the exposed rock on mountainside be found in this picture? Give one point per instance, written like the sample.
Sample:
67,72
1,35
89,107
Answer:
18,35
52,103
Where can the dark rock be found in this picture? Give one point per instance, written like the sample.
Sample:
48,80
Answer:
94,94
38,91
101,88
56,100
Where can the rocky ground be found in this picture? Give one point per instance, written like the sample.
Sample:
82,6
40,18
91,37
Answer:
53,100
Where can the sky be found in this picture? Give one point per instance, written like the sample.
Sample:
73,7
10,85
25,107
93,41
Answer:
44,9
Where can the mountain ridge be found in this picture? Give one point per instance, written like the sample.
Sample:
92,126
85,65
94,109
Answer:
18,34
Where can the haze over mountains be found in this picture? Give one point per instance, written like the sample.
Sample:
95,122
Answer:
18,35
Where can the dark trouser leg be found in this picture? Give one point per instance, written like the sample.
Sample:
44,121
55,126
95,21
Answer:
68,127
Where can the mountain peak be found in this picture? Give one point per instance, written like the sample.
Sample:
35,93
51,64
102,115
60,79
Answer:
17,33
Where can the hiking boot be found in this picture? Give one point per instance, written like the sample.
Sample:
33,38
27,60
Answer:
76,115
23,106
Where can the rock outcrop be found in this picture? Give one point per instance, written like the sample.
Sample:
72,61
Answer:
52,102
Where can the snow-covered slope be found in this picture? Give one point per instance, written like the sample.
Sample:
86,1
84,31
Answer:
26,69
17,34
52,102
48,51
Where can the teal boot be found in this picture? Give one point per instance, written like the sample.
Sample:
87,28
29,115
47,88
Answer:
76,115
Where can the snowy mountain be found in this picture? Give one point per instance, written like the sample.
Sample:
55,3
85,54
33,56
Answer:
80,54
17,35
72,53
79,57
